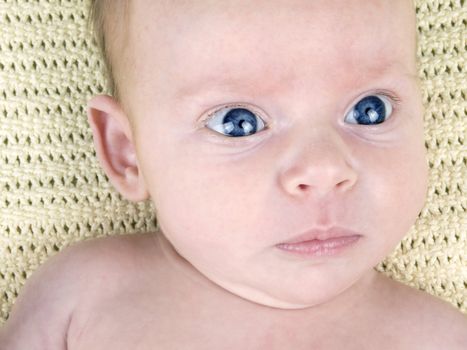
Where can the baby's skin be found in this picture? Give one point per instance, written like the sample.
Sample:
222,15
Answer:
333,142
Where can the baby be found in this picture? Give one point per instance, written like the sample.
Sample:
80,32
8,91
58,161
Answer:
282,144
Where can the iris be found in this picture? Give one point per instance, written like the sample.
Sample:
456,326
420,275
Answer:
370,110
239,122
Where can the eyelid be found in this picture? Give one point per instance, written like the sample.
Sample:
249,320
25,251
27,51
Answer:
248,106
394,99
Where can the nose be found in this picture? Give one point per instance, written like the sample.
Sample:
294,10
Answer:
318,166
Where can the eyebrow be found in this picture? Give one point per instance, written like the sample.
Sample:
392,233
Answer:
212,82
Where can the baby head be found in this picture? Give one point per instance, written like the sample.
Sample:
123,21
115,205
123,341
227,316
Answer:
249,123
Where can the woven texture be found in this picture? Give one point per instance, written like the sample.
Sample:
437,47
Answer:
53,191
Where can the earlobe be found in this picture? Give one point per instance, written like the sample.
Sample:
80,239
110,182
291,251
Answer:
114,147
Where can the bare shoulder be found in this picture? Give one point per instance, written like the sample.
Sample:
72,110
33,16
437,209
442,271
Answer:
426,319
83,263
46,304
114,252
443,324
105,264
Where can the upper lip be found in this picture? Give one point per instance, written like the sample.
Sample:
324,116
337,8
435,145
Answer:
322,235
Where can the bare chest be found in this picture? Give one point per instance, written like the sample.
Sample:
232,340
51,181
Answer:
195,321
141,324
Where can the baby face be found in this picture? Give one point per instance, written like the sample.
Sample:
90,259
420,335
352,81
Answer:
256,121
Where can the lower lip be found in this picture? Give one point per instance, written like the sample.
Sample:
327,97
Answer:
315,248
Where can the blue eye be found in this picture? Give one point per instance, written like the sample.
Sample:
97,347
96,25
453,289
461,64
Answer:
235,122
371,110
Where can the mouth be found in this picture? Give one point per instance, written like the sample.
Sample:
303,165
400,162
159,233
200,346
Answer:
321,242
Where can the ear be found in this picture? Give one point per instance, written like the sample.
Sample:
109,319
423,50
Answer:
114,146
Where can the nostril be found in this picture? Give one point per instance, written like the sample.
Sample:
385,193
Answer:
344,184
303,187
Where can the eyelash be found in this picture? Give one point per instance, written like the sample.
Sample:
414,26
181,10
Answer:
393,99
391,96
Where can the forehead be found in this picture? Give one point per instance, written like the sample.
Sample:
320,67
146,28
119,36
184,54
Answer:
182,44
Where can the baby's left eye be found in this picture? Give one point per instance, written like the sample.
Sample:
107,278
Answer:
371,110
235,122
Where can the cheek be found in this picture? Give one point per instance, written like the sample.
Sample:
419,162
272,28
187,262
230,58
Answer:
399,191
199,200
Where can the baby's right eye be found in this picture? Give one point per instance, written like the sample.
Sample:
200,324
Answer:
235,122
